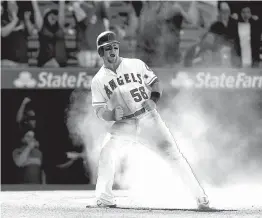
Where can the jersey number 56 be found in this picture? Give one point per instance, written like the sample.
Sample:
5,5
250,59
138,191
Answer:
139,93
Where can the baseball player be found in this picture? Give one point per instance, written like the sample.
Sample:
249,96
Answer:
126,91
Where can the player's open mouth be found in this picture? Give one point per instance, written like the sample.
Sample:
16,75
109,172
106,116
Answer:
112,55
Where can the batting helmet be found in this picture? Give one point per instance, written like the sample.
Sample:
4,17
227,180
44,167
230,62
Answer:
105,38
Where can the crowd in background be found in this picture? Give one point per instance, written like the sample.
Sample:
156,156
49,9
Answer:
63,33
233,40
36,146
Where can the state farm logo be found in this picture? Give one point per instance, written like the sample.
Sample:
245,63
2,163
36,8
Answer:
182,80
222,80
25,80
52,80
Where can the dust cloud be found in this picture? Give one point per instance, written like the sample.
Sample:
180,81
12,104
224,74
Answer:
218,131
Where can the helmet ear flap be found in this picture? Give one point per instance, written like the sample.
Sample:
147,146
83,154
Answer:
101,51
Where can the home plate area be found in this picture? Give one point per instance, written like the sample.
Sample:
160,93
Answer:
81,203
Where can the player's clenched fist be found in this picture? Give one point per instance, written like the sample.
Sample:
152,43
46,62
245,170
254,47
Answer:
119,113
149,105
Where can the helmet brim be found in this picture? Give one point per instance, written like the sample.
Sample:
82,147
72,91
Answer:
108,43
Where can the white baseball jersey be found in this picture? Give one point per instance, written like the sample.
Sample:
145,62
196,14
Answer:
128,87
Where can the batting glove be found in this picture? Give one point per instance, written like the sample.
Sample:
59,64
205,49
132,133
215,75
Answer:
119,113
149,105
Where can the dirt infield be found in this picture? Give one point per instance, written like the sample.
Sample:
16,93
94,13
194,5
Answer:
73,204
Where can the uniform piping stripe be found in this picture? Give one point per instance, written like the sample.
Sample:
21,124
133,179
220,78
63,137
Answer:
152,80
97,103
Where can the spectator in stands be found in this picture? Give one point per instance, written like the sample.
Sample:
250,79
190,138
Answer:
203,13
226,22
75,170
25,117
92,19
137,5
51,35
149,33
174,18
129,27
209,51
28,156
159,39
248,38
16,26
218,44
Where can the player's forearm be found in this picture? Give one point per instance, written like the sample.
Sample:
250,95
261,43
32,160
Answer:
186,16
61,15
38,16
21,158
106,23
19,115
6,30
105,114
80,14
189,16
30,27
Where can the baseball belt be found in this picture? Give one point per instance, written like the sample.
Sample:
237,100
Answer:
137,113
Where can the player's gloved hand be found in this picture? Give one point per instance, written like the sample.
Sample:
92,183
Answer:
149,105
118,113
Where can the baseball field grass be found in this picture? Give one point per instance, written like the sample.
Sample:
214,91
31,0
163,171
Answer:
81,203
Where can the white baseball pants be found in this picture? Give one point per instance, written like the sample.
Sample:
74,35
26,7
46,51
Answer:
149,126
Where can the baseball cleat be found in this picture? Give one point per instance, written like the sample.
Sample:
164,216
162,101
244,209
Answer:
105,203
203,203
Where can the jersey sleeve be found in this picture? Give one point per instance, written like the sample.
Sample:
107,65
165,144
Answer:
148,74
97,97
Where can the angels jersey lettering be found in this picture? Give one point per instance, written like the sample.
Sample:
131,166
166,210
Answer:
128,87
